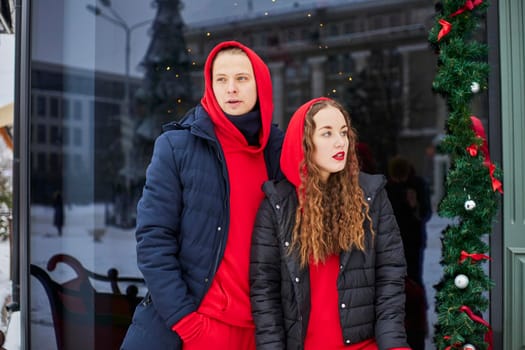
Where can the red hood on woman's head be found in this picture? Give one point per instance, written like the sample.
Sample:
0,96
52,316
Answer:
264,93
293,153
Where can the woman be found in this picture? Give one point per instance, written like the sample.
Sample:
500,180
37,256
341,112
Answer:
327,266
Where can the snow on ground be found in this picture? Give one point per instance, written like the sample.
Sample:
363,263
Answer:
5,293
116,248
432,270
5,284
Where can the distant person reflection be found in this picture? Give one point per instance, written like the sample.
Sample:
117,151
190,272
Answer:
367,162
58,212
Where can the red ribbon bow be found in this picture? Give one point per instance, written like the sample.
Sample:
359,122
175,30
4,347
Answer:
469,6
455,345
446,27
473,150
474,256
478,129
476,318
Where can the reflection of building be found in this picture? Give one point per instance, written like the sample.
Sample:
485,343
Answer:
77,130
371,55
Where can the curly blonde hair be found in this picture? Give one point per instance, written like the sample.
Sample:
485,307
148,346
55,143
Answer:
330,216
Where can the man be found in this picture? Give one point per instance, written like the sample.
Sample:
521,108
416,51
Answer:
196,214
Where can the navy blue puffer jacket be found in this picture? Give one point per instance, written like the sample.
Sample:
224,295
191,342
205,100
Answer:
182,225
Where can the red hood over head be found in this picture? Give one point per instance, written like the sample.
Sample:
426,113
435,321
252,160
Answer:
264,95
293,153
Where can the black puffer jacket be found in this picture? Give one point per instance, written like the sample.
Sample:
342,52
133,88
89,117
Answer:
370,284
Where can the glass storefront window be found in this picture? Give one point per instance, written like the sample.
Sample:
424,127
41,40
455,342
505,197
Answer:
105,76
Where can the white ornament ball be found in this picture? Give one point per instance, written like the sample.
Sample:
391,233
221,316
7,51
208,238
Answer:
470,204
469,347
474,87
461,281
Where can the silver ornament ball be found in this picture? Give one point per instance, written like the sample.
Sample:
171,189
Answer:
474,87
461,281
470,204
468,347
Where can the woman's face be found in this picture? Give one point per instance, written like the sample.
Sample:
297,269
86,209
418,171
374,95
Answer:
330,139
234,83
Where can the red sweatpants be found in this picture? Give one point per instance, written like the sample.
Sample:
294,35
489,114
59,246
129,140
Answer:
221,336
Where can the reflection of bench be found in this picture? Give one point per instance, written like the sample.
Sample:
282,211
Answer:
84,318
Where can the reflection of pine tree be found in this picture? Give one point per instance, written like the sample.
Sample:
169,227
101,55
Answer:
166,91
165,95
374,102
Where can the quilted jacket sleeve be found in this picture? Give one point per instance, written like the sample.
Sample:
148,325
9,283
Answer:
158,222
265,282
390,278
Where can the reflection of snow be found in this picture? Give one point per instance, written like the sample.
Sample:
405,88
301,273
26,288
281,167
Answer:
117,249
12,326
5,284
432,270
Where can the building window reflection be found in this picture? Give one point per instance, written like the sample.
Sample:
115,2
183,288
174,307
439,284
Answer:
41,106
77,137
53,107
54,135
66,105
41,134
77,110
65,136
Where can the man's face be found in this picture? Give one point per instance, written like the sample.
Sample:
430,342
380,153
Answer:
234,84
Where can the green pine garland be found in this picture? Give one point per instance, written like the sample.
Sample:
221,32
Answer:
461,62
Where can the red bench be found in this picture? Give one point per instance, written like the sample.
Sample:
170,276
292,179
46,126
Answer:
84,318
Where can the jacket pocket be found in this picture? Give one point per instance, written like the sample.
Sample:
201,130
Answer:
149,331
